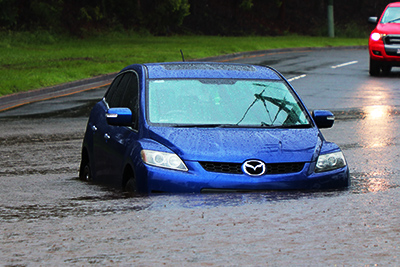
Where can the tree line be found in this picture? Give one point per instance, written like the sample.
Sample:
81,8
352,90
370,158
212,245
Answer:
164,17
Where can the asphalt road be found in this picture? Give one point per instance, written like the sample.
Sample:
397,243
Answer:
49,217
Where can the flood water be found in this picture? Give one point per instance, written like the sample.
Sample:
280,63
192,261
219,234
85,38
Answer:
49,217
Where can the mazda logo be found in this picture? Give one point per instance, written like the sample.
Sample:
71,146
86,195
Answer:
254,167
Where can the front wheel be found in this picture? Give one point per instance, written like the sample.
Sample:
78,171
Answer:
386,69
130,184
85,172
374,67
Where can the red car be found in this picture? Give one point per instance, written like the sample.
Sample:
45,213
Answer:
384,41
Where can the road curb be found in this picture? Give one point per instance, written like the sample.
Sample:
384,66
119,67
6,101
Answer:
18,99
235,56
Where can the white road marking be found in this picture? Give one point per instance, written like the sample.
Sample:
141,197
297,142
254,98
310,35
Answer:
297,77
344,64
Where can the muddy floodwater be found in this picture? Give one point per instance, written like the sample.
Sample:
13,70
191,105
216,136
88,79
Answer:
50,218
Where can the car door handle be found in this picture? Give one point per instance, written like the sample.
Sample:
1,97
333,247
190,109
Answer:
107,136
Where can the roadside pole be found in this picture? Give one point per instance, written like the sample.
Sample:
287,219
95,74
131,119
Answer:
331,27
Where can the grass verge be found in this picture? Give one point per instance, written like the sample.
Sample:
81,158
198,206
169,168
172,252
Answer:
33,60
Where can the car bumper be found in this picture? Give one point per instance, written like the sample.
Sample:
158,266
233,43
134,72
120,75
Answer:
378,52
198,180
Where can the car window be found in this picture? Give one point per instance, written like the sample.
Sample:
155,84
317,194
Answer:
124,92
113,88
118,93
130,97
254,103
392,15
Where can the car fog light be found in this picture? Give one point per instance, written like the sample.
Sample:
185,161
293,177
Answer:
163,159
330,162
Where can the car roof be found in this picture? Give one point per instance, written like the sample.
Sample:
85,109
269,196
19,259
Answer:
209,70
395,4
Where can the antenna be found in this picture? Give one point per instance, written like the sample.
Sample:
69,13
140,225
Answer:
183,57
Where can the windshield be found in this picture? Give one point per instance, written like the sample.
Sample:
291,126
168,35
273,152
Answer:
224,102
392,15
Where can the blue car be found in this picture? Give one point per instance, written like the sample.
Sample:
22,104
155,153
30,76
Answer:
189,127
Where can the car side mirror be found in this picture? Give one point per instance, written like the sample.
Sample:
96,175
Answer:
323,118
373,20
119,116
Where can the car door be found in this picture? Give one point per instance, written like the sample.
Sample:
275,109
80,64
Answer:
117,139
100,133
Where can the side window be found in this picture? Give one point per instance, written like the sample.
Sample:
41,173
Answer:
113,88
131,97
124,92
117,97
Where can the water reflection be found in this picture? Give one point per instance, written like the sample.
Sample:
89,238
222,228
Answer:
375,131
194,201
377,184
103,200
377,112
371,182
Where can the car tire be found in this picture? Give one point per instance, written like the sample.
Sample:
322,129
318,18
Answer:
374,67
130,185
85,173
386,70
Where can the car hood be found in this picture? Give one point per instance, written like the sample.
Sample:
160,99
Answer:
388,28
238,145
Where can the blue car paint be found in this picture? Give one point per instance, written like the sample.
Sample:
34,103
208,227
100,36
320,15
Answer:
198,181
237,145
110,157
238,71
303,148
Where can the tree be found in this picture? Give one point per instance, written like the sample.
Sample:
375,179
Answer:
164,16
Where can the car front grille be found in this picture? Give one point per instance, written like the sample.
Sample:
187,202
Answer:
392,45
392,39
236,168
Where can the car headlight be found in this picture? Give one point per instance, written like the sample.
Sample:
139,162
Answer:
377,36
163,159
332,161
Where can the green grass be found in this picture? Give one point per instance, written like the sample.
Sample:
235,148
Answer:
33,60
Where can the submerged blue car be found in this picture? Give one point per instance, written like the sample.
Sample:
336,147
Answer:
203,127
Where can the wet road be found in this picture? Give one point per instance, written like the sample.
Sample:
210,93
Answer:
49,217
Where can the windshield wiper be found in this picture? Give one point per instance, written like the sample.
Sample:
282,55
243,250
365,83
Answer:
288,126
296,126
393,20
257,97
216,125
261,125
